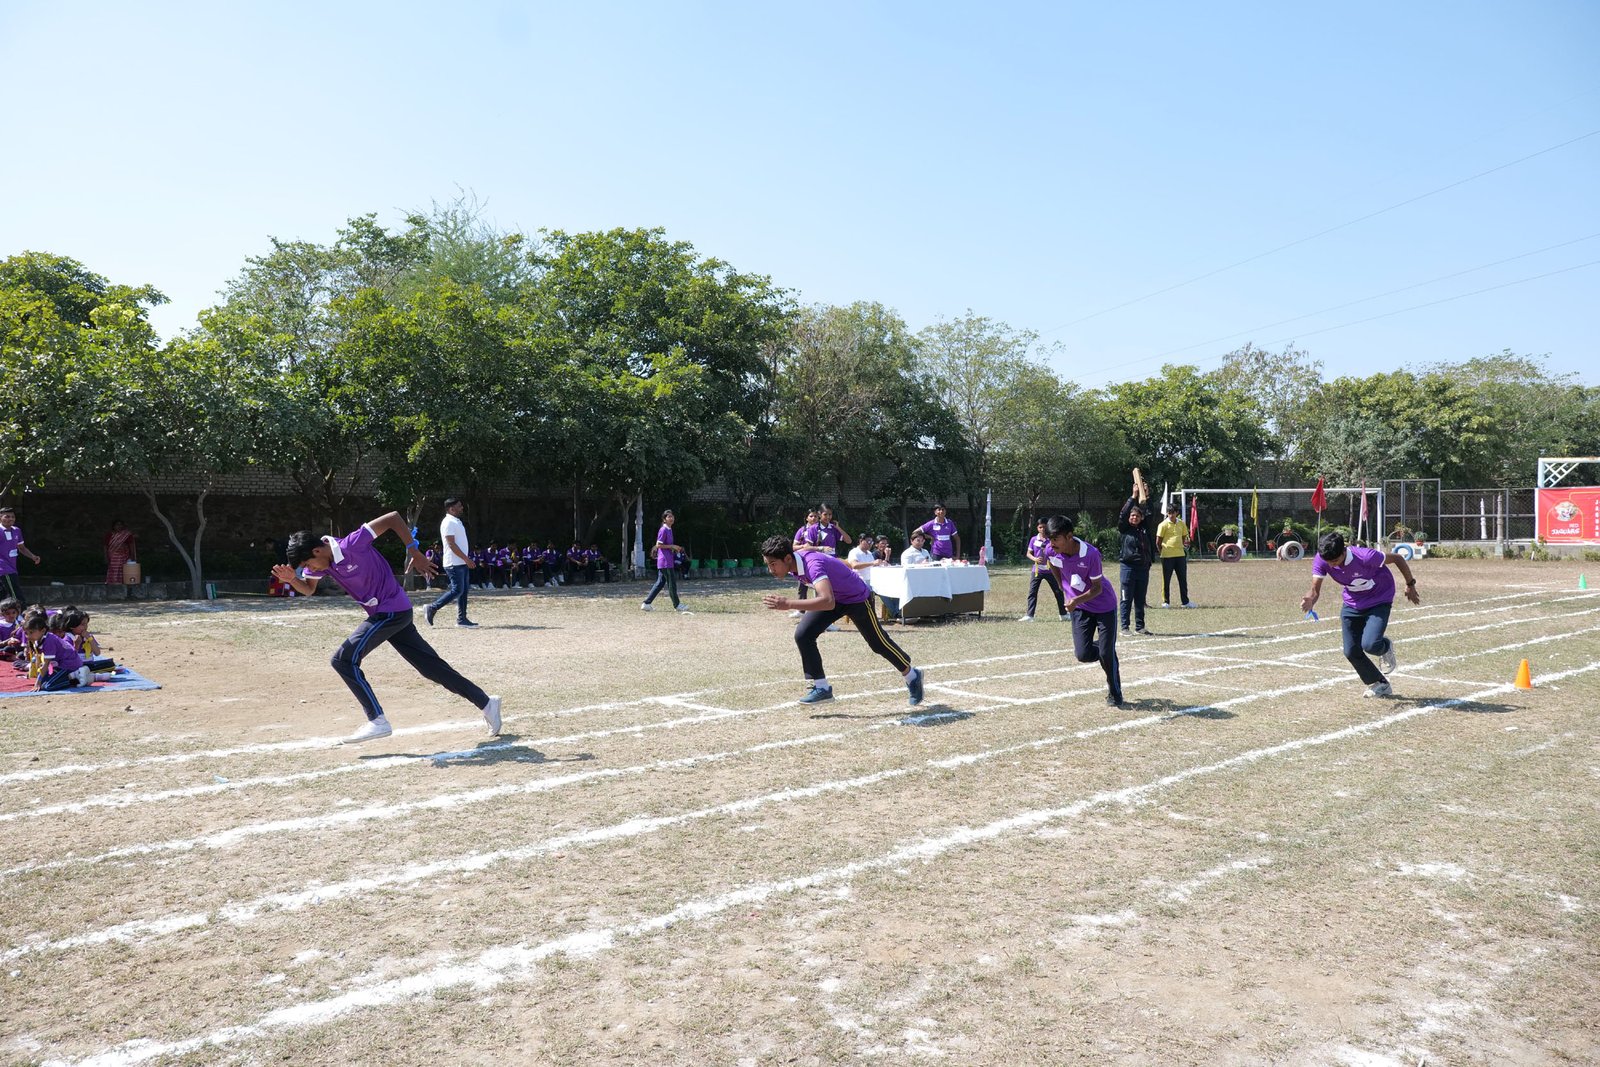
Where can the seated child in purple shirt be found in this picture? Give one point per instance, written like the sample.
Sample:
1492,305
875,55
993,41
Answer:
11,635
60,665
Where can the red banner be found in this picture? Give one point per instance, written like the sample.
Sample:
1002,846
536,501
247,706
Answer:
1568,516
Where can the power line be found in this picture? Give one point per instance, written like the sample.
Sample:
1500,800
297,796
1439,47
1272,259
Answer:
1324,233
1436,303
1363,300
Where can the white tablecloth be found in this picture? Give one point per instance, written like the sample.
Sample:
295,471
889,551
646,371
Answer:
938,580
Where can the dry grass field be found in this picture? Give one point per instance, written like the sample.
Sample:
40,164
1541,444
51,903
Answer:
665,860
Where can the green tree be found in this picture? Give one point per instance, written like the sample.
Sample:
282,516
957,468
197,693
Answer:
1428,426
1282,384
1057,439
975,366
1190,427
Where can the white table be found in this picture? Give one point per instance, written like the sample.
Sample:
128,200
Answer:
932,589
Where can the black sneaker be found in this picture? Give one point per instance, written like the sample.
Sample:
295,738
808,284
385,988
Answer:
427,613
1113,702
1141,630
465,622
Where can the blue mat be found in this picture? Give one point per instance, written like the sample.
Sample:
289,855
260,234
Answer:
126,678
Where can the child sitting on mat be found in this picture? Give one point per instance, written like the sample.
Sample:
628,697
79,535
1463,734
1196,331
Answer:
11,637
60,665
76,623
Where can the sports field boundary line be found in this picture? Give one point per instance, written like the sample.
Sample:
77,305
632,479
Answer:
466,725
123,801
500,964
296,900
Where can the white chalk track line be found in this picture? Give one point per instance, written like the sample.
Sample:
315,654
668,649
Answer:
465,725
123,800
500,964
710,714
317,894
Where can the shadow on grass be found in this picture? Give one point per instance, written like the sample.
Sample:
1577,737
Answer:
935,715
492,750
1480,707
1174,709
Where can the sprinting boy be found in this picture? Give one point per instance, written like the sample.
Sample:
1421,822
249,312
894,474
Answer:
838,591
1092,603
370,581
1368,599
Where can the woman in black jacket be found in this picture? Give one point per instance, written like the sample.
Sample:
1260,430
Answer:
1138,553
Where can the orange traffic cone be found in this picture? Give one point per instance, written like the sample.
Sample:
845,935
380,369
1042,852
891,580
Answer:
1524,676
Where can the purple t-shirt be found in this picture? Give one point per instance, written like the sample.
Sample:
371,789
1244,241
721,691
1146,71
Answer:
1078,572
809,534
10,542
828,538
1366,579
1039,547
848,588
939,534
365,574
58,653
665,557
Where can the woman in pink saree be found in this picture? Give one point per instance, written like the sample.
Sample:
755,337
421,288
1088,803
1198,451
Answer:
121,546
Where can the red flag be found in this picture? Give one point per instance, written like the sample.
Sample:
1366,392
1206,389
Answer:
1319,498
1194,520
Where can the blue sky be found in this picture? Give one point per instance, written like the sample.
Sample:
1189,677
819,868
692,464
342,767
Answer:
1036,163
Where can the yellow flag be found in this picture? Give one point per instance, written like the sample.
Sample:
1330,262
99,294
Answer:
1253,503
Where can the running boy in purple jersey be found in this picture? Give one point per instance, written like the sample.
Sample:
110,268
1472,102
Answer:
1091,600
370,581
943,541
839,592
1368,598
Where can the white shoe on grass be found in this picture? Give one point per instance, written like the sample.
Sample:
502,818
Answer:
1386,662
796,613
491,715
1025,618
1378,689
647,607
681,610
374,729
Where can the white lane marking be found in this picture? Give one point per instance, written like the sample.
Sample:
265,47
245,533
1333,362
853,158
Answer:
319,894
1182,891
710,714
350,816
1312,630
505,963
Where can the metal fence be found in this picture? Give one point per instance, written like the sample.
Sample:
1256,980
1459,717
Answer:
1485,515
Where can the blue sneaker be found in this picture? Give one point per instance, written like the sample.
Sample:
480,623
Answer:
817,695
914,686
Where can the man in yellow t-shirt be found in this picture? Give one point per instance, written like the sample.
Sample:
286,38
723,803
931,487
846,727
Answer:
1172,541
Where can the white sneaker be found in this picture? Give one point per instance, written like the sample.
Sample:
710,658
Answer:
796,613
681,610
1025,618
833,628
1190,604
491,715
374,729
1065,616
1165,604
1380,689
1386,662
647,607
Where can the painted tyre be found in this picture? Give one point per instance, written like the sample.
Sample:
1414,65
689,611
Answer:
1230,553
1291,550
1404,551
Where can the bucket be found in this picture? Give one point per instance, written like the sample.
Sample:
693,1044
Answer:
131,575
211,590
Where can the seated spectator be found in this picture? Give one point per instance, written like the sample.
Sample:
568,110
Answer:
598,561
60,666
917,551
578,562
12,638
863,555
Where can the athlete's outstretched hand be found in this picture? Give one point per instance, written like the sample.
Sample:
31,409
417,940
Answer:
775,601
1411,594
